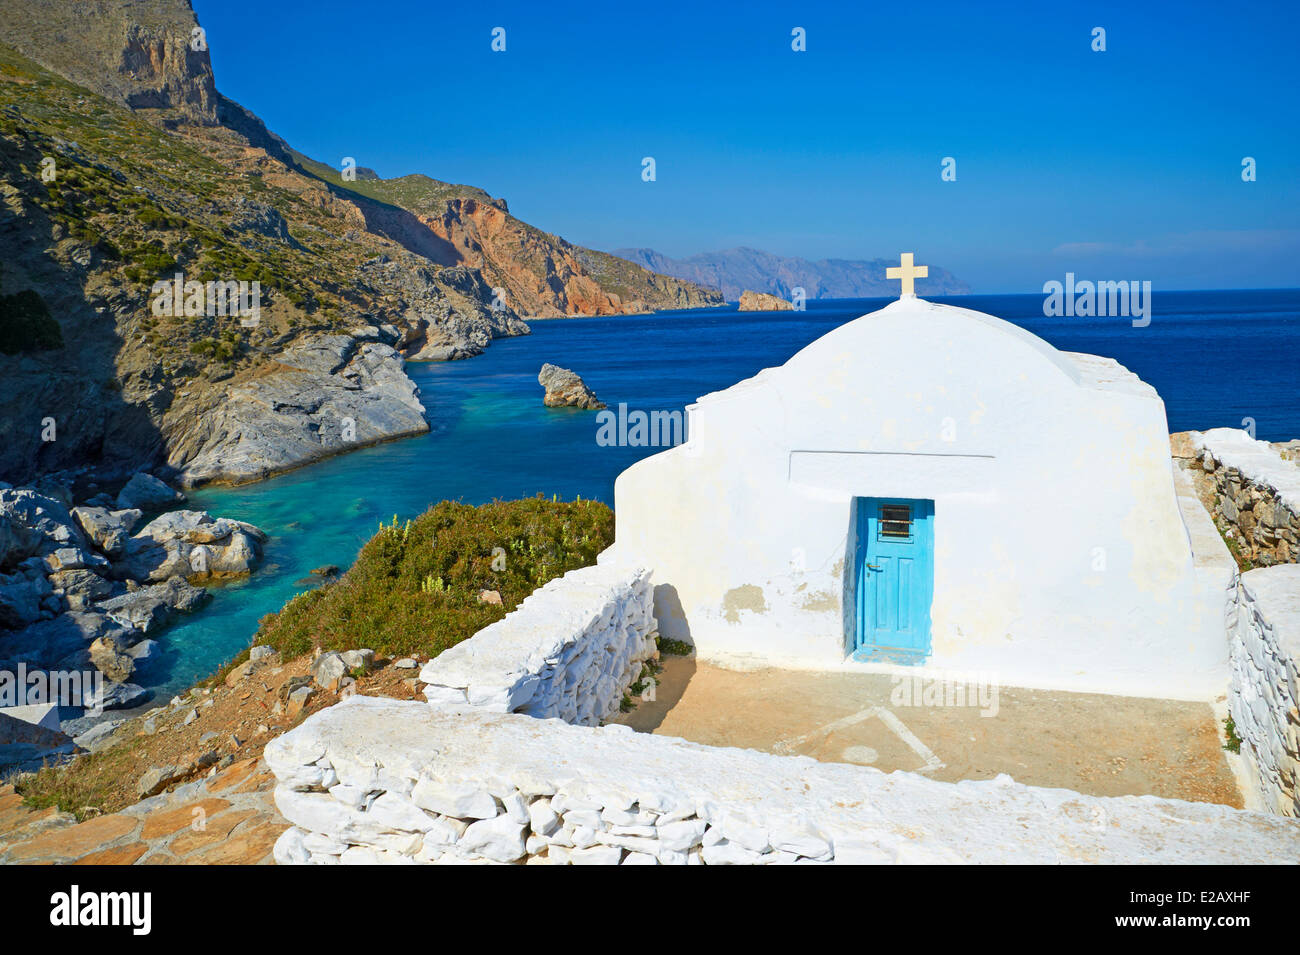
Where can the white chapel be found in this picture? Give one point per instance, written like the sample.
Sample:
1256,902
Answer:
930,486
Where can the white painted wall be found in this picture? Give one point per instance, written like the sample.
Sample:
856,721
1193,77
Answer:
568,651
1265,691
1055,460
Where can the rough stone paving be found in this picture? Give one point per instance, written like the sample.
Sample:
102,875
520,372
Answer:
227,818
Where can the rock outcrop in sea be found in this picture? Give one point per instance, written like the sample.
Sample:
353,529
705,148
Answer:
565,389
762,302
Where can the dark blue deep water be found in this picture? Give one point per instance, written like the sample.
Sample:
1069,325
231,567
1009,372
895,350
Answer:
1215,357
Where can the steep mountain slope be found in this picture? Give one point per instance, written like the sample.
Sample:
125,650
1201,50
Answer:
140,54
736,270
100,203
121,165
540,274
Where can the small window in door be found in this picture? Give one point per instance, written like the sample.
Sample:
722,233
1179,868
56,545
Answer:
895,521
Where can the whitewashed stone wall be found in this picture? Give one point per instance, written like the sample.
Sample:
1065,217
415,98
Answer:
1265,690
1258,493
569,650
374,780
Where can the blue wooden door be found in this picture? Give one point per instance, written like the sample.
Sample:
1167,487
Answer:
895,578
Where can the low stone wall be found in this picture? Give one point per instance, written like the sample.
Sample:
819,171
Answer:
374,780
1214,612
1265,686
1258,493
569,650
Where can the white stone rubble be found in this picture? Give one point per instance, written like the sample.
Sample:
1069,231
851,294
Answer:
427,784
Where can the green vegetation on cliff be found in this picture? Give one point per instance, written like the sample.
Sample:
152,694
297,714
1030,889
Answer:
26,324
416,192
132,203
414,588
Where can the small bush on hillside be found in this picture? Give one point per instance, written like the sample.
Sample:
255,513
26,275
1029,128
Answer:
414,587
26,324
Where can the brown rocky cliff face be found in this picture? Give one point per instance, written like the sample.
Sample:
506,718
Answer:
137,54
162,71
131,388
542,275
538,278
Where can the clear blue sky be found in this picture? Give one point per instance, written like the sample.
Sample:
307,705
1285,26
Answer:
1122,164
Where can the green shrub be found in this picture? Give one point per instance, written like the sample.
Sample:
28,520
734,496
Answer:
225,349
26,324
148,260
151,217
414,587
674,648
1233,741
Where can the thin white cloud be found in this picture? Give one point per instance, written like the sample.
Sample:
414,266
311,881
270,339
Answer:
1185,243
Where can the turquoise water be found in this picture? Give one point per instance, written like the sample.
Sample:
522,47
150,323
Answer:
1216,357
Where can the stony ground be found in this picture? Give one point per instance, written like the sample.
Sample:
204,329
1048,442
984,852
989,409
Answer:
1093,744
226,819
217,810
224,812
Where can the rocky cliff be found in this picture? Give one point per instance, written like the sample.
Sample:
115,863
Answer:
538,274
121,166
102,202
141,54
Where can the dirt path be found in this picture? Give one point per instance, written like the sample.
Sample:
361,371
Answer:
1101,745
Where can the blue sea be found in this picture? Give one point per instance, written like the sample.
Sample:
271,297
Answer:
1216,357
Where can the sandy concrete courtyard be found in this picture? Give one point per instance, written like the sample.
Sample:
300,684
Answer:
1101,745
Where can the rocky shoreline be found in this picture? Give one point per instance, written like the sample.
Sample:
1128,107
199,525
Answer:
321,397
88,579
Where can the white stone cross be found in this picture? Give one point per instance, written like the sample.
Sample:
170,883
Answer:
907,272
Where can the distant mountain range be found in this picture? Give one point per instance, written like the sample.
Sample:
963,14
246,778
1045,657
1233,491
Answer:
734,271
